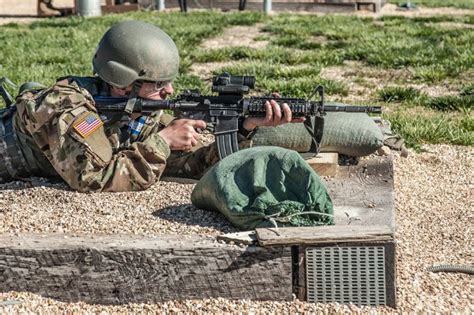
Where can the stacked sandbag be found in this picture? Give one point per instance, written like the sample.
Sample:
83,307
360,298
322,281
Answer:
264,187
353,134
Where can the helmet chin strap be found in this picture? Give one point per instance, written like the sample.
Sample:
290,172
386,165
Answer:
132,97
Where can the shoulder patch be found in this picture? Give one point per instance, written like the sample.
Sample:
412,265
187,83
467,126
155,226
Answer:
87,123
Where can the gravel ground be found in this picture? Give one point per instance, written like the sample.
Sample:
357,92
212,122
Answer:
165,208
434,217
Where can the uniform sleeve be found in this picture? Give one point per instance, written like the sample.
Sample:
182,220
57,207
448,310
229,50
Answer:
196,163
74,141
89,164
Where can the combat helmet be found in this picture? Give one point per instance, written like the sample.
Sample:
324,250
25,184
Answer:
134,51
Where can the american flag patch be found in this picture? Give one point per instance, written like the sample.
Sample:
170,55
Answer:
87,124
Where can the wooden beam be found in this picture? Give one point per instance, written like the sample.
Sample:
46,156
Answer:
324,164
121,269
247,237
322,235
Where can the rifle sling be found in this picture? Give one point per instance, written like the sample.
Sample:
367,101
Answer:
315,129
132,98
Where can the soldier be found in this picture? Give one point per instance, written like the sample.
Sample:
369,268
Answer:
60,133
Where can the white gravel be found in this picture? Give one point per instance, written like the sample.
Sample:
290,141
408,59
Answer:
434,225
165,208
434,213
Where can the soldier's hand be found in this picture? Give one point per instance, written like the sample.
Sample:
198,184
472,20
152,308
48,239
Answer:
181,134
275,115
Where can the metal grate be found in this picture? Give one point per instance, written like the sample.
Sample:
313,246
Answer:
346,275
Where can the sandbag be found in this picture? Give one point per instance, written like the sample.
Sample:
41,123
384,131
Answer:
264,187
353,134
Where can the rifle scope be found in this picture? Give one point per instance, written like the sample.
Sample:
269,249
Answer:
227,79
232,84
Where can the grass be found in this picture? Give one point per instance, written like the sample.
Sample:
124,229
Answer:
426,119
464,102
300,46
429,127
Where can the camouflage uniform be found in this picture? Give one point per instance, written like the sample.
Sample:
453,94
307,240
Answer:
102,157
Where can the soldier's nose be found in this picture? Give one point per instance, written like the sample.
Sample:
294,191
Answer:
169,88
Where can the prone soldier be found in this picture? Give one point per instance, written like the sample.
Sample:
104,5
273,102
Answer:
57,131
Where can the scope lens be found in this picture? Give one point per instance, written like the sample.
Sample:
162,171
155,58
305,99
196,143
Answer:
249,81
243,80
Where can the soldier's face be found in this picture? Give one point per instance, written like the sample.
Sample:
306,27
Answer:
156,91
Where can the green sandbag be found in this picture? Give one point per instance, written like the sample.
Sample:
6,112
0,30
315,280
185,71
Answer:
264,187
353,134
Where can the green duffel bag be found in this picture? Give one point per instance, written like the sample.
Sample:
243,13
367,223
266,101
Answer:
264,187
353,134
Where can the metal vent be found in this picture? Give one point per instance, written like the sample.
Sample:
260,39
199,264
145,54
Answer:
346,275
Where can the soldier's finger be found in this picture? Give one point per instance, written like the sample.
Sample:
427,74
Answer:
268,112
287,114
194,142
276,113
198,124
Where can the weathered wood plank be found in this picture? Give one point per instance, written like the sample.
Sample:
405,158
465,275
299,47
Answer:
120,269
247,237
324,164
322,234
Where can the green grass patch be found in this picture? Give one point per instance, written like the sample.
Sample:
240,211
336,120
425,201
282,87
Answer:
302,87
451,103
418,128
468,90
262,70
399,94
400,42
464,102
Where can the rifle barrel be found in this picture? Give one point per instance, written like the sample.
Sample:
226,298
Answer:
353,109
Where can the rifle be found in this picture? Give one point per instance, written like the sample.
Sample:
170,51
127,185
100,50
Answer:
230,104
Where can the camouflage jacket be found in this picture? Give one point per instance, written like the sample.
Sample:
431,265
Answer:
94,153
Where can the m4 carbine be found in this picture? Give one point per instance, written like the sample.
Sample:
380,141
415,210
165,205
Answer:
224,109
